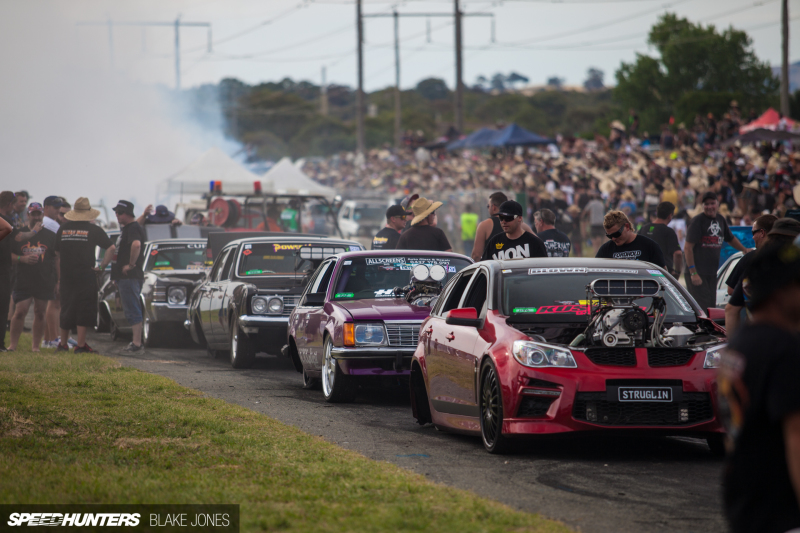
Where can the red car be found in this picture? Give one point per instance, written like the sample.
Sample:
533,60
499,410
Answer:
544,346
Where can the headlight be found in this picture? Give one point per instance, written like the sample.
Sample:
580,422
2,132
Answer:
259,305
276,306
370,334
714,356
176,295
535,354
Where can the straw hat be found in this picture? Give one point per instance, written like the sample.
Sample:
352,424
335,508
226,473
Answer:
423,207
617,125
82,211
755,185
723,210
651,189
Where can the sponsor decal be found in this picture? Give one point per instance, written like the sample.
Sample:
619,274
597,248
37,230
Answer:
428,261
380,240
563,309
612,271
499,245
514,253
524,310
348,262
678,296
196,246
506,271
355,248
384,292
154,252
632,255
451,269
279,247
385,260
162,263
253,272
344,295
247,252
557,270
248,246
274,257
655,272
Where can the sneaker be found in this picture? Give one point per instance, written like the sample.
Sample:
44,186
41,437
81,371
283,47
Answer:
132,349
61,348
83,349
50,344
71,342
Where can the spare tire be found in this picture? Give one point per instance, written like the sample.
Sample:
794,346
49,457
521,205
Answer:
224,212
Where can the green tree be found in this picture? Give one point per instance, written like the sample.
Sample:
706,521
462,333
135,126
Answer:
695,64
433,89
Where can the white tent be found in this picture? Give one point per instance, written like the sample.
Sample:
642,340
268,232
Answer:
213,165
286,178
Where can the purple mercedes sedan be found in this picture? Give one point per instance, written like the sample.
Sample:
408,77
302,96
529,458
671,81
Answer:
360,316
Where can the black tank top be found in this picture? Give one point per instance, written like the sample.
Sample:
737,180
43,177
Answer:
496,227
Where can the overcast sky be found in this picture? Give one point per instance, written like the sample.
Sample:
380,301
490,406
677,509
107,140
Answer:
294,38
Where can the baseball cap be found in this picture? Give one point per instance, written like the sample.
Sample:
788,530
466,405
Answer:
396,211
786,226
709,196
124,206
54,201
510,208
35,206
771,269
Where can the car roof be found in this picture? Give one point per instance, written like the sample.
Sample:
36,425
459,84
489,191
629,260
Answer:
177,239
559,262
303,238
393,253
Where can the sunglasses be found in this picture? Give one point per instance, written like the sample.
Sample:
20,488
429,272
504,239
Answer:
506,218
756,231
616,234
401,217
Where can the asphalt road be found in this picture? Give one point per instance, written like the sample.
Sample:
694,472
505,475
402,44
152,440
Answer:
592,483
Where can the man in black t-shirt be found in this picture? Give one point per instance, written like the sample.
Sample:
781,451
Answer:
126,271
75,248
423,233
760,400
624,243
556,242
386,239
665,237
36,280
761,228
514,242
704,239
6,210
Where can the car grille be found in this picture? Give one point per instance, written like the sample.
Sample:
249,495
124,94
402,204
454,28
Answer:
610,413
612,356
405,334
531,406
668,356
289,303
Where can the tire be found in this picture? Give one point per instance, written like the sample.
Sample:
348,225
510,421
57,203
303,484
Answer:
420,407
490,407
113,330
310,383
337,387
243,353
151,334
716,443
102,321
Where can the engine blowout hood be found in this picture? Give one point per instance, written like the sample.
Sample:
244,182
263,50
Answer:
384,309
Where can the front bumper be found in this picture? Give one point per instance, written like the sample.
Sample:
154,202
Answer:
378,360
164,312
251,324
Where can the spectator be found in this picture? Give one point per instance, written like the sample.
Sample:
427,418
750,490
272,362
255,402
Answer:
469,227
514,242
52,208
423,233
491,226
556,243
20,203
593,212
37,279
51,338
5,229
386,238
162,215
6,210
289,218
760,399
126,271
665,237
75,248
704,239
761,228
624,243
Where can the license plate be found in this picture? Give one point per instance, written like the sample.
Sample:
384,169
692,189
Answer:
644,394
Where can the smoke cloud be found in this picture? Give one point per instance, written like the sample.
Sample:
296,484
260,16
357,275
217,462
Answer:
70,125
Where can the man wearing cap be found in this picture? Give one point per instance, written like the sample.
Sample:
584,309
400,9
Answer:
126,271
514,242
760,399
423,233
704,238
386,238
75,247
491,226
37,278
162,215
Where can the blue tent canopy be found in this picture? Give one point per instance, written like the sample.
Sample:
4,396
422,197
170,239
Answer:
512,135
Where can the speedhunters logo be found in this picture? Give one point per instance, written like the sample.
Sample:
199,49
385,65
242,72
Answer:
212,517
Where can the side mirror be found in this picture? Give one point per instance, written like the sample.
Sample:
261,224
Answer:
467,316
717,315
314,299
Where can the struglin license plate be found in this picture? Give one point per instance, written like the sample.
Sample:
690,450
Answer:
644,394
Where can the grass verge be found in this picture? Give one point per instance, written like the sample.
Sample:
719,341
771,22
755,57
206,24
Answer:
83,429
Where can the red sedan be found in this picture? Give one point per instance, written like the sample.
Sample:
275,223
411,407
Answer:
543,346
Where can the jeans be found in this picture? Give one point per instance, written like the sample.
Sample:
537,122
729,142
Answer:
129,291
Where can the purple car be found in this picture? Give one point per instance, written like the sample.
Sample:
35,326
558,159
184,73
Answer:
360,316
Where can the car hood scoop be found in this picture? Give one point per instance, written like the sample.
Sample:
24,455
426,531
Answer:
384,309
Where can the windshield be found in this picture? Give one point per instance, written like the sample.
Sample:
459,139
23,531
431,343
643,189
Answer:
376,277
176,256
369,214
272,259
559,296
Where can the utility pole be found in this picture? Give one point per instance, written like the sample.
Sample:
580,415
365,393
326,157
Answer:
459,107
785,60
323,95
397,133
175,24
360,91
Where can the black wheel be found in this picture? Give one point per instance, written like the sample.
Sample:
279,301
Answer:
420,407
102,321
243,353
337,387
113,330
491,410
309,382
716,443
151,334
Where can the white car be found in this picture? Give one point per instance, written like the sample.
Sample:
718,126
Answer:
361,218
722,276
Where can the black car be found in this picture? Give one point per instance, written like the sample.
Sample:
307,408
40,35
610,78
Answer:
243,305
171,270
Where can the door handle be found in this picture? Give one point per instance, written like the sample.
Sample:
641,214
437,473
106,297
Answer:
450,337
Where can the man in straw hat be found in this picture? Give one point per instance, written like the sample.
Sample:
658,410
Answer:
75,248
423,233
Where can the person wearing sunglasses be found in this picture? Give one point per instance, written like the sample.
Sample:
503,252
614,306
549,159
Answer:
386,238
514,242
761,228
624,243
491,227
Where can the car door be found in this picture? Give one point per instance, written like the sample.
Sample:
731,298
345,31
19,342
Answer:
299,320
316,318
207,293
219,323
722,286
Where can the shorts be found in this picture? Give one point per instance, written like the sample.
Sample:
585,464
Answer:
44,292
129,292
598,231
78,303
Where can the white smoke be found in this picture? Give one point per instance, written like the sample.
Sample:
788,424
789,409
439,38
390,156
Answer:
72,126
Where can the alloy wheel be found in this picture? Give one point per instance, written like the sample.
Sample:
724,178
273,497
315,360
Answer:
491,408
328,371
